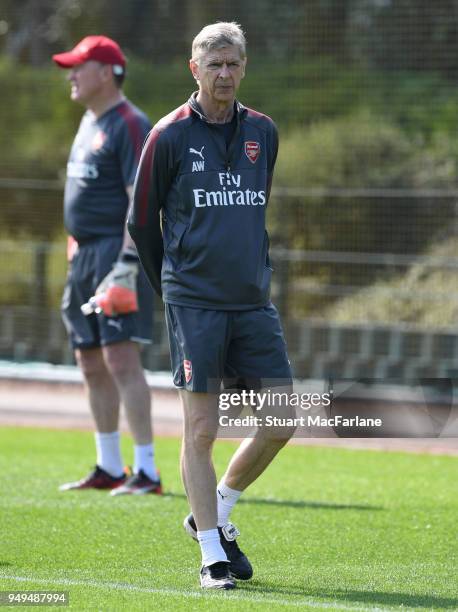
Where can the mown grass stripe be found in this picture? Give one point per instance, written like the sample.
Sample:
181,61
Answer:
238,595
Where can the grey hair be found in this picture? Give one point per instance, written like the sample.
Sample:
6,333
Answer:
219,35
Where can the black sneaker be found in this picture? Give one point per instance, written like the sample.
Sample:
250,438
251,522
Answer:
139,484
216,576
239,565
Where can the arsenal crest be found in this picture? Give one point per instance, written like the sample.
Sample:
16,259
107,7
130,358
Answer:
252,150
98,140
187,365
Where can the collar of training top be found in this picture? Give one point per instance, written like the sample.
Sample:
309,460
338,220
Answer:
239,109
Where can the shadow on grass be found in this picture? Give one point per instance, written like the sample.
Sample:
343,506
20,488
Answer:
306,504
407,600
289,503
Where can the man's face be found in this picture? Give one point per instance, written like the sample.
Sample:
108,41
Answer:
88,80
219,73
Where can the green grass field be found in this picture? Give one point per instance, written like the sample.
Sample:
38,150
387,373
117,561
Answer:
324,529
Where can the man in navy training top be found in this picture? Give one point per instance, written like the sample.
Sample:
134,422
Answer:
198,221
103,261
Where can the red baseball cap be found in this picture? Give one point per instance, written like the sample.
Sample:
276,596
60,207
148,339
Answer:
99,48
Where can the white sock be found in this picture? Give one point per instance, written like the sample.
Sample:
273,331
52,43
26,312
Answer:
109,452
210,546
144,460
226,498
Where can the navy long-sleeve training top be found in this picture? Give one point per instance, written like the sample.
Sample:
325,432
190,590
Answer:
199,208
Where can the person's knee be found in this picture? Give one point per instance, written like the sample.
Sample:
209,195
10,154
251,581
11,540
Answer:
118,368
91,364
279,429
200,441
278,437
200,414
122,364
286,432
199,435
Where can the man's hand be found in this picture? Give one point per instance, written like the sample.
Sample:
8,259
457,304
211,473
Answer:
117,293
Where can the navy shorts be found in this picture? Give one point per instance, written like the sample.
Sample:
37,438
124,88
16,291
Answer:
245,349
91,263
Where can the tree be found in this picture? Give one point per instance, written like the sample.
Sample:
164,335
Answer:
406,35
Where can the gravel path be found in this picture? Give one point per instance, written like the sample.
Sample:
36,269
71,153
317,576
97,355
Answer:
63,406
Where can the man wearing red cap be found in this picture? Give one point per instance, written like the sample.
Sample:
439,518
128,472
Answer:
103,262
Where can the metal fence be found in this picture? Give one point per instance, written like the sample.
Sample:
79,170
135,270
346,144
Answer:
363,217
312,286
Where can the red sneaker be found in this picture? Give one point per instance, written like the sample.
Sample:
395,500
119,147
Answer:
97,479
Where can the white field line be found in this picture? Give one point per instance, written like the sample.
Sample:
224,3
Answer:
236,596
